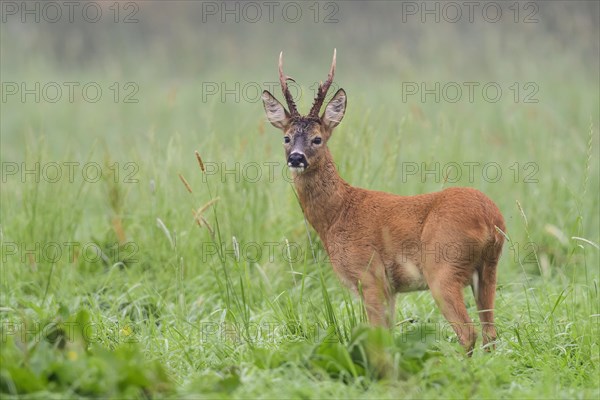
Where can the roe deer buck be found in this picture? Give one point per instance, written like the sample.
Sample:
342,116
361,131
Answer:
387,243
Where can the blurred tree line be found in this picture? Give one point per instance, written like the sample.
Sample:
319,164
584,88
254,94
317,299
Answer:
196,36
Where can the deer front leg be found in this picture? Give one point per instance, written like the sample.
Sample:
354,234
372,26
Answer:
380,308
379,299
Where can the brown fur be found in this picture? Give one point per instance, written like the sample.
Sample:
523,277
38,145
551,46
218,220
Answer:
388,243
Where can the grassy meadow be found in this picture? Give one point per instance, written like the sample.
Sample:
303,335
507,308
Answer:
128,271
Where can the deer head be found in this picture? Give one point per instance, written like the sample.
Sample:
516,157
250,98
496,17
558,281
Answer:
305,137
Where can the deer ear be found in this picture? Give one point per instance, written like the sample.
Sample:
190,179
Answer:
334,112
277,115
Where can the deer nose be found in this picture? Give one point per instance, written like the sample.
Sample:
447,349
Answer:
297,160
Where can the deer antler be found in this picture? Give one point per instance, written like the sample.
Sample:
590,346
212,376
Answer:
284,88
322,91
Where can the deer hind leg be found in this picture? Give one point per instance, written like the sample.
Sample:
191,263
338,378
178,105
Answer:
446,285
484,290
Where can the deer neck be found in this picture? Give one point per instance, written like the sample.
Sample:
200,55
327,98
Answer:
323,194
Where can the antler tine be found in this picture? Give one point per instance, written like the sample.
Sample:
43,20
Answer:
284,88
323,88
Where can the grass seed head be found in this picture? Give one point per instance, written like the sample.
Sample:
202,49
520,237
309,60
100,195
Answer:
200,163
185,183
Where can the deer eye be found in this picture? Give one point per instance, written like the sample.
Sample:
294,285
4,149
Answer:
317,140
286,139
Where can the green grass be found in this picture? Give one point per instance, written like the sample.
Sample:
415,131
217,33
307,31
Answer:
152,304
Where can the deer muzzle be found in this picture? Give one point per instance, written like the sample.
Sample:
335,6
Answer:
297,162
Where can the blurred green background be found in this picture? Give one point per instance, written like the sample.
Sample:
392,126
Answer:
193,71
